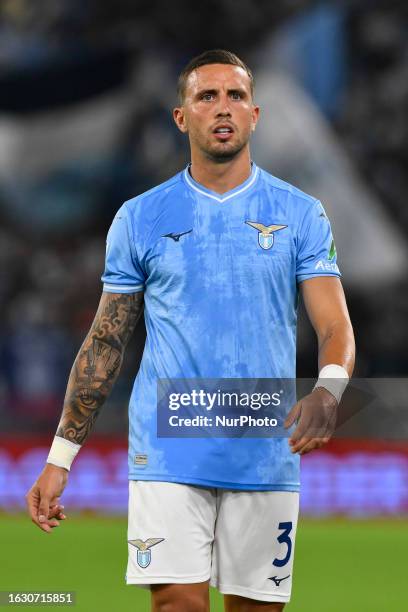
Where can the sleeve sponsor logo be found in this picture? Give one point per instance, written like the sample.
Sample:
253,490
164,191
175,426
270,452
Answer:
326,266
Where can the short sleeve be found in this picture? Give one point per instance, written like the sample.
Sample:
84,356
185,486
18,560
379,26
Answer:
316,251
123,273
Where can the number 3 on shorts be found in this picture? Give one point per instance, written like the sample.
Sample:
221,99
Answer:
284,538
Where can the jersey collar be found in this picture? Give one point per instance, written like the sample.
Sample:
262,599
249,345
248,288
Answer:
238,190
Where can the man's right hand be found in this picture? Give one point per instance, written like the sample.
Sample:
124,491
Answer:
43,499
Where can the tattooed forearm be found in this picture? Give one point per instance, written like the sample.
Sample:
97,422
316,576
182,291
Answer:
98,362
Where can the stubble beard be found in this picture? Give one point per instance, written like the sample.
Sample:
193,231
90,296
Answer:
220,153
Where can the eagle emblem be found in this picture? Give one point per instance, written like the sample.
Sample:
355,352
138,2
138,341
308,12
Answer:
144,554
265,233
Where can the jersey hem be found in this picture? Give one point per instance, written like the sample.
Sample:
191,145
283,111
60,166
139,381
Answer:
303,277
108,288
217,484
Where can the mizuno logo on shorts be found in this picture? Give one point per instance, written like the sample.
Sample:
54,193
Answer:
277,580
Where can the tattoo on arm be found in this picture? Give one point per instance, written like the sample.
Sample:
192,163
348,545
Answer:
98,362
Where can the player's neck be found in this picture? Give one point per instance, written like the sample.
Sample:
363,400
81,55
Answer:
221,177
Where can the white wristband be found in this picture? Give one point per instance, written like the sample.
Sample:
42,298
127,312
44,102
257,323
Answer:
334,378
62,452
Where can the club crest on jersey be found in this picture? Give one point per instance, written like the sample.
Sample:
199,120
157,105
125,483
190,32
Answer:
265,233
144,554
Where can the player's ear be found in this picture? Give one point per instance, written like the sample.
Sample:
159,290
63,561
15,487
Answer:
255,117
180,119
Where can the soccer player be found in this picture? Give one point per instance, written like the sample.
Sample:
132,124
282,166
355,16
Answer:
216,255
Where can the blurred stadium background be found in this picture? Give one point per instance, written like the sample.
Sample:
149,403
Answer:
85,123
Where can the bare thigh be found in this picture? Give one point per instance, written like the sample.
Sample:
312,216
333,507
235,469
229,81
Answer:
176,597
234,603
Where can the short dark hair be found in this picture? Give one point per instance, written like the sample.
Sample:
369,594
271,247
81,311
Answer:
214,56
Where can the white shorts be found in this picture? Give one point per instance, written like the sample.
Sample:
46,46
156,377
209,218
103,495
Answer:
242,541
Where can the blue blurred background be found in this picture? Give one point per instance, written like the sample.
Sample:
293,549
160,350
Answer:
86,92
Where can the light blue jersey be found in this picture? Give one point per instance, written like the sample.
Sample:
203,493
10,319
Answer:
220,276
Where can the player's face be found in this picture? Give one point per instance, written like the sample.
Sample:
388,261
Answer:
218,112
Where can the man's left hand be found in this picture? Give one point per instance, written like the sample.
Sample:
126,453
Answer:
315,416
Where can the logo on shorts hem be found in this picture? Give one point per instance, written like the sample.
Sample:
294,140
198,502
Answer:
144,554
277,580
